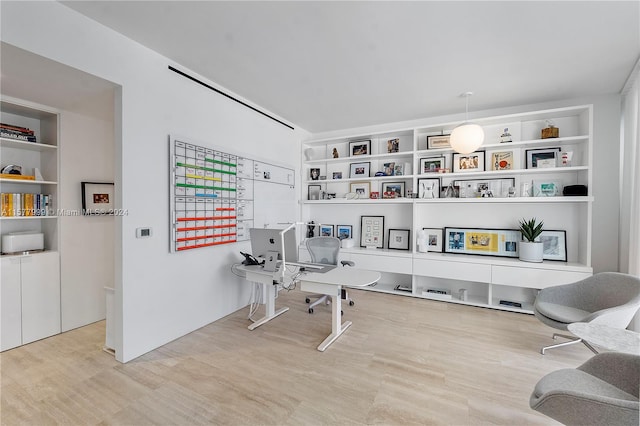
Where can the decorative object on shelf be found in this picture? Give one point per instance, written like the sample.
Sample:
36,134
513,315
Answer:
393,145
554,245
542,158
525,189
337,175
398,170
335,153
17,177
326,230
374,195
473,162
331,195
323,177
511,192
428,188
314,174
438,141
477,188
550,131
359,170
575,191
544,188
451,191
565,158
362,147
467,137
399,239
308,154
97,198
463,294
434,239
530,249
344,231
12,169
389,168
401,287
313,192
394,188
482,241
361,189
432,164
505,136
372,231
311,228
37,175
501,160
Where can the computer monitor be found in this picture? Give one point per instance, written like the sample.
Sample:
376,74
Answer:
264,240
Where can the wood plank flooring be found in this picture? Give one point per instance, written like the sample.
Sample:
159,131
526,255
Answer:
403,361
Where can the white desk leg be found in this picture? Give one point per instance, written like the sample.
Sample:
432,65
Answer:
337,326
270,306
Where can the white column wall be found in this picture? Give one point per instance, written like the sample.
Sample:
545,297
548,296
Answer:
162,296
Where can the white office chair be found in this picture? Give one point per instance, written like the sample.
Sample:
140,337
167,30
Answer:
325,250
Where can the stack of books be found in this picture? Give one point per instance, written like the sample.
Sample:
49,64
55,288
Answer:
11,131
24,204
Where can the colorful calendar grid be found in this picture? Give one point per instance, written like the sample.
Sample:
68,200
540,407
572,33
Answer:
204,197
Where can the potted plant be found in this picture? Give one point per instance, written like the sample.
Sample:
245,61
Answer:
530,249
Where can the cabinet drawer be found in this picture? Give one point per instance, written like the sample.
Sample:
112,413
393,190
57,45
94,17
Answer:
399,265
452,270
533,277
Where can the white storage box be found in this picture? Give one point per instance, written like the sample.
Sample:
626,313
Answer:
18,242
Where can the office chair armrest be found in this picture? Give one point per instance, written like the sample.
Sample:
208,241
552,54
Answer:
347,263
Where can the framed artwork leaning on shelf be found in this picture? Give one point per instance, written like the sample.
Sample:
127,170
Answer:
362,147
399,239
428,188
432,164
344,231
326,230
438,141
434,239
473,162
482,241
313,192
392,189
477,188
360,189
372,231
542,158
554,245
359,170
502,160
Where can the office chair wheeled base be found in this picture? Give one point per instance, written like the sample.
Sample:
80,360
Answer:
571,340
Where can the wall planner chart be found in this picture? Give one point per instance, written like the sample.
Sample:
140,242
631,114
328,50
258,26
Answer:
214,194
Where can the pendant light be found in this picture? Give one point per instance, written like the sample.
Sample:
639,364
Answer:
467,137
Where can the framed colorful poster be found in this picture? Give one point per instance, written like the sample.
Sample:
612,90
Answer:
482,241
372,231
326,230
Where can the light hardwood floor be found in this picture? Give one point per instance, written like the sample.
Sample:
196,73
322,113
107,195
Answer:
403,361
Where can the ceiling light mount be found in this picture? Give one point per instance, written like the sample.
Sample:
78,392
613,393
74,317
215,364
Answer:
467,137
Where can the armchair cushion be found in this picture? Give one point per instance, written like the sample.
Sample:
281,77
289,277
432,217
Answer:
561,313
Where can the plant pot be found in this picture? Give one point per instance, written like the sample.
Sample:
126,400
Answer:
531,252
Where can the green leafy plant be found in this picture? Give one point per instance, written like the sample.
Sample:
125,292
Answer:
530,229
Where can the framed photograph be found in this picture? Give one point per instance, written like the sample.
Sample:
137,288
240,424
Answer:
438,141
501,160
326,230
428,188
98,198
392,189
313,192
314,174
372,231
360,147
473,162
399,239
393,145
485,188
361,189
344,231
555,245
432,164
542,158
482,241
337,175
359,170
399,170
544,188
389,169
434,239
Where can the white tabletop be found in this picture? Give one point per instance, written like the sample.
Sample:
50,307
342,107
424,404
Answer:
346,276
615,339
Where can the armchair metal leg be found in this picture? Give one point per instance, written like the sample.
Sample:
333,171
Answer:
571,340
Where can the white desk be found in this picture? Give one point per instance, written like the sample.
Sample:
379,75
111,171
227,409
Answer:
329,283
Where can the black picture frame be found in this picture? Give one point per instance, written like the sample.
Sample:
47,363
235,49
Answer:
98,198
313,192
438,141
360,147
344,231
399,239
360,170
465,163
555,245
397,188
372,231
430,165
471,241
423,187
534,156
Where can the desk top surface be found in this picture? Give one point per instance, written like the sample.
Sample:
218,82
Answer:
615,339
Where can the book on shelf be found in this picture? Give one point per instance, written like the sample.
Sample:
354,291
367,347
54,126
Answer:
7,134
17,204
18,129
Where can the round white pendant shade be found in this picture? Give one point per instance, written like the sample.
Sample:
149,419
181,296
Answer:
466,138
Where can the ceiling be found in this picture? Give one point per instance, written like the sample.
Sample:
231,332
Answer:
333,65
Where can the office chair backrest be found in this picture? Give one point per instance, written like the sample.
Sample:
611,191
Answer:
323,249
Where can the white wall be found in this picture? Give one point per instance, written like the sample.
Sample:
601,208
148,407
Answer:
162,296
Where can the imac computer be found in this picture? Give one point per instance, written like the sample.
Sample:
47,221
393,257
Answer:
264,240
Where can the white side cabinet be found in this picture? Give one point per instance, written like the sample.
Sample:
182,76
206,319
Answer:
30,295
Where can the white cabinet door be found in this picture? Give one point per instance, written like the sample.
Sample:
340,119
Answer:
10,305
40,296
